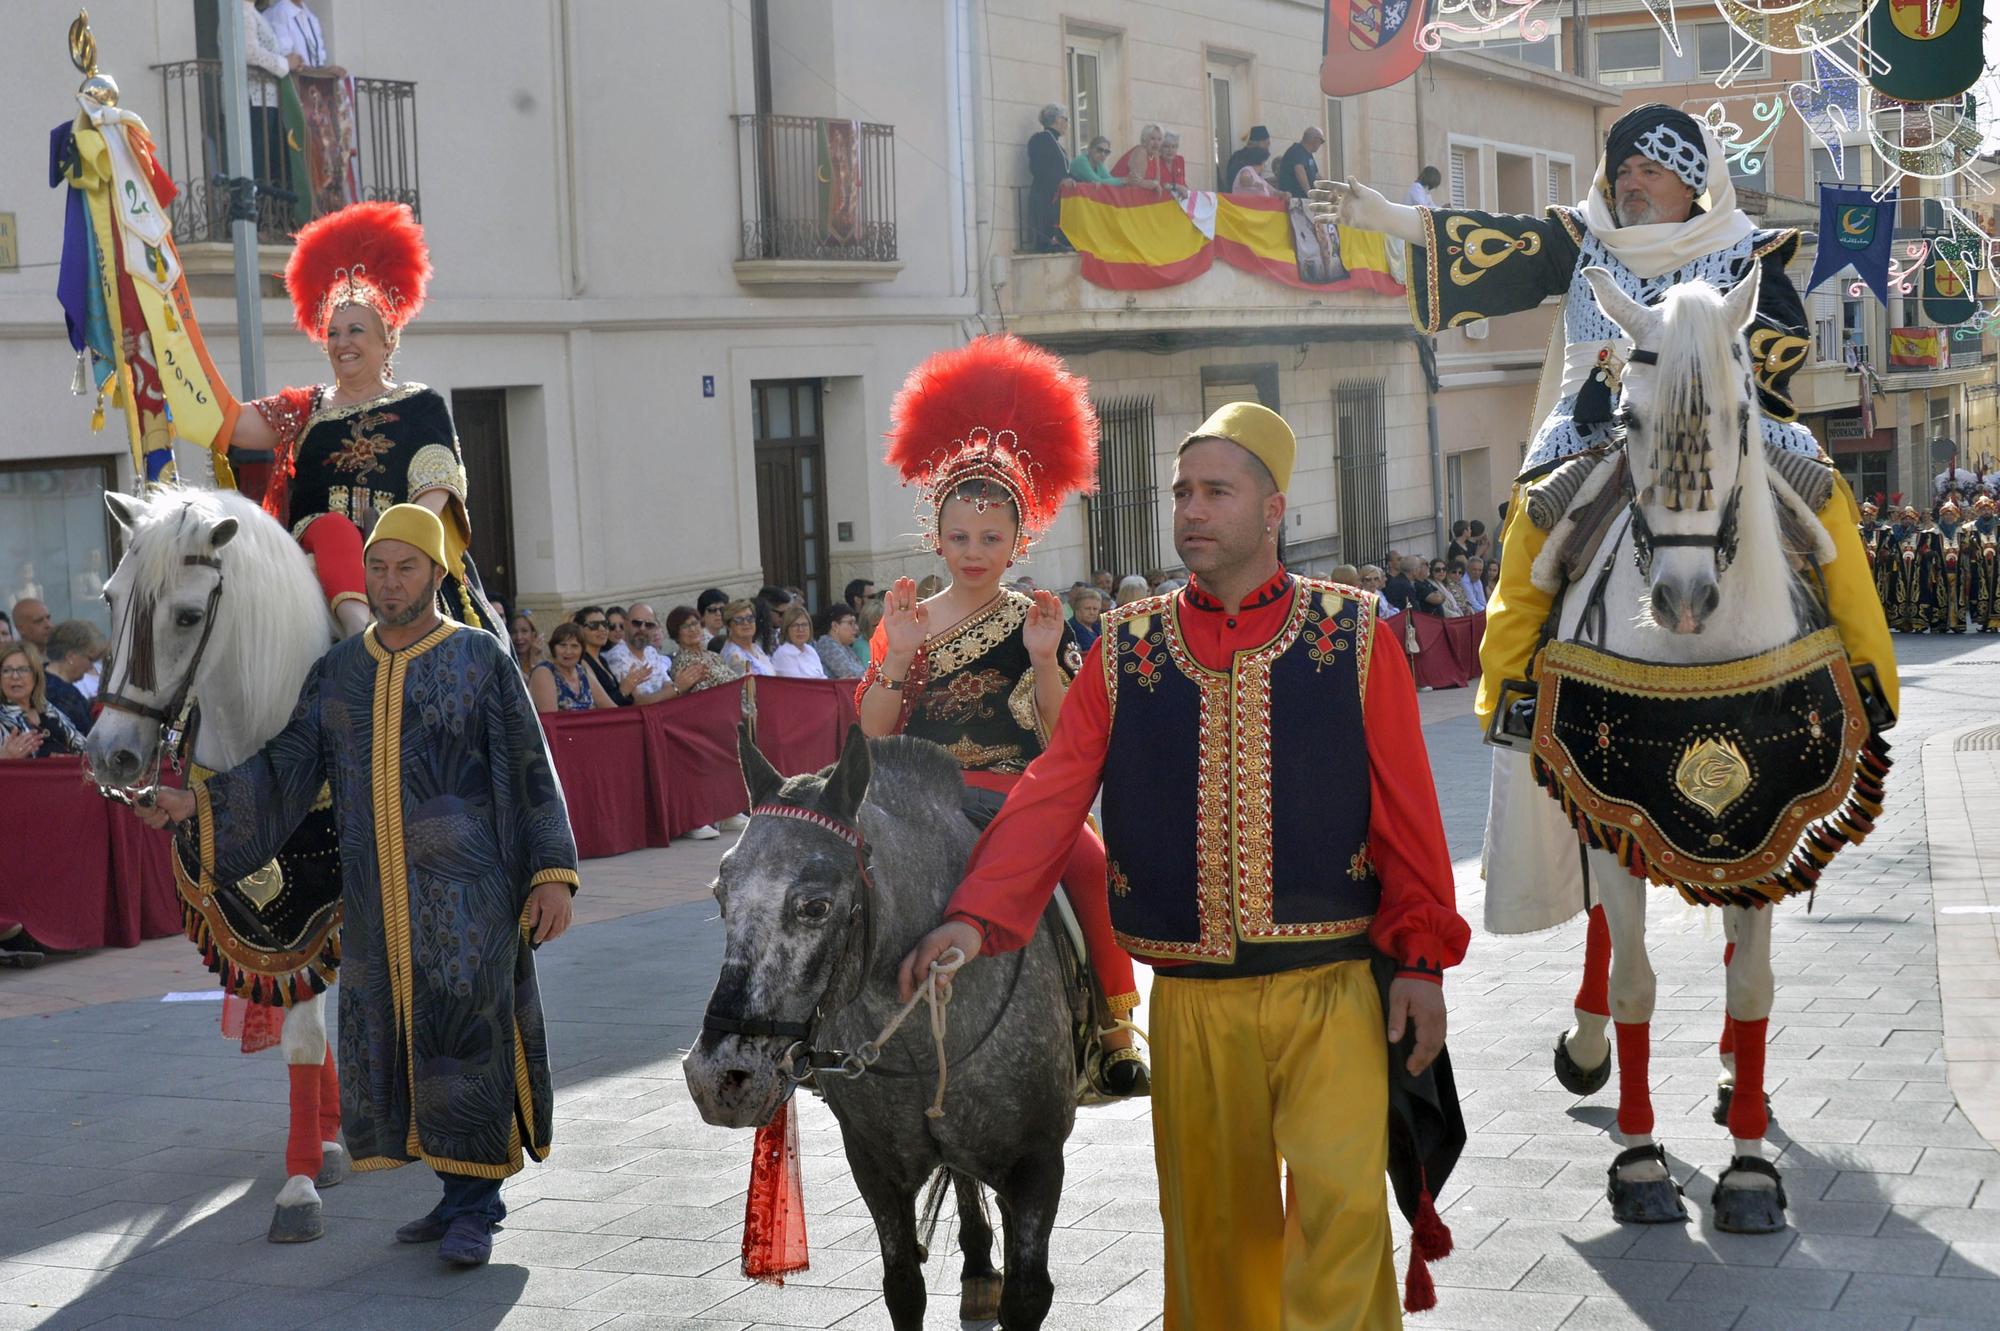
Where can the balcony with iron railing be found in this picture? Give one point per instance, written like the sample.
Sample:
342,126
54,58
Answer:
316,145
817,199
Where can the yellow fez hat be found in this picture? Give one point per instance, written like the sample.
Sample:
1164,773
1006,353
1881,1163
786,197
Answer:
412,524
1256,429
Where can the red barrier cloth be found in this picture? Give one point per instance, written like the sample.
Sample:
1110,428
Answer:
691,760
75,871
799,722
1448,649
600,758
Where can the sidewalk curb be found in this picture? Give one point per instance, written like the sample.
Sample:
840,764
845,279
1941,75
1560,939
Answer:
1965,904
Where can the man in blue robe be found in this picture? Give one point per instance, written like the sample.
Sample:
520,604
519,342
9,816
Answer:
456,857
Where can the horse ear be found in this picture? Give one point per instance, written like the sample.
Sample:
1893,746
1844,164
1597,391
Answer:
221,533
1638,321
126,510
847,784
759,776
1740,305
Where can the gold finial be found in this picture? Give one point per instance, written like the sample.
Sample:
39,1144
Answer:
98,87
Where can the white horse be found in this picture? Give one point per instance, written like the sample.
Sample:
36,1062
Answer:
1711,581
215,602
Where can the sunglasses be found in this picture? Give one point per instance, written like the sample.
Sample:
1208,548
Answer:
595,624
743,619
643,623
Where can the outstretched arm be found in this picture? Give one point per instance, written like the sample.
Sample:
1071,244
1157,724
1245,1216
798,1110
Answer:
1351,203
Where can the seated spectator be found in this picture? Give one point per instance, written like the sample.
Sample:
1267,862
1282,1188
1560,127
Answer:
1104,582
527,640
32,622
1086,616
1427,594
562,683
1257,140
1048,164
1397,587
1448,577
1250,177
1132,587
859,591
638,655
1089,166
596,631
743,650
794,657
839,629
614,628
1346,575
866,620
1472,580
709,606
695,666
1373,581
29,727
6,627
1489,581
71,645
928,586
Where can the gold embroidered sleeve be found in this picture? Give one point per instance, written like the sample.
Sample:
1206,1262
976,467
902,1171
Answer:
1475,265
436,467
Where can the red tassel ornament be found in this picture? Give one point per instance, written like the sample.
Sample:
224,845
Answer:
774,1213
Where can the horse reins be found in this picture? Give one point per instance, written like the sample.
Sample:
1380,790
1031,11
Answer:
804,1058
141,671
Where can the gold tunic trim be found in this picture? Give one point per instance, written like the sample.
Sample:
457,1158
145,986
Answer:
975,635
435,467
328,413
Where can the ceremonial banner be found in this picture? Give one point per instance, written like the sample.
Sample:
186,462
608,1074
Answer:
840,180
1369,44
1916,348
1136,240
330,140
1947,299
1854,229
1932,47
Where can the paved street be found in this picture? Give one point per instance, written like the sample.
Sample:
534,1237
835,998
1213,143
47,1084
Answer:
139,1152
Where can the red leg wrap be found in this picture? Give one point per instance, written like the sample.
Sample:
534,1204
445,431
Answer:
1748,1118
302,1149
1085,880
1593,995
1635,1096
334,542
329,1098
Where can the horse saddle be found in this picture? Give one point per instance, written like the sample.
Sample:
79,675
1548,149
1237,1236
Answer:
1703,777
274,936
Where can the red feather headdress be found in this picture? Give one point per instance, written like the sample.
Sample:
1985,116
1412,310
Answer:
1002,411
369,254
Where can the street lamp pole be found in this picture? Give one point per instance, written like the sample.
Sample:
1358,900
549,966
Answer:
241,189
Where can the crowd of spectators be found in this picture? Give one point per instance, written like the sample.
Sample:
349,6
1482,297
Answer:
48,678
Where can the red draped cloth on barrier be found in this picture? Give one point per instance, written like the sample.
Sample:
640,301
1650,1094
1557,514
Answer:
693,739
1448,649
801,723
77,871
600,759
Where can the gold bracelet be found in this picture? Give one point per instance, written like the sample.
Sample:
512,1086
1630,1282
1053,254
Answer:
893,685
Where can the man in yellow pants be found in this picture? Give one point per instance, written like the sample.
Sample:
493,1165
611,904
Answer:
1272,829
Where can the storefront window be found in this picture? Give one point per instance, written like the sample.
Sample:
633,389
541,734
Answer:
55,536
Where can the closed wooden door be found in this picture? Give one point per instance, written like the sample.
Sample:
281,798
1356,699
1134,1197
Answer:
791,485
481,417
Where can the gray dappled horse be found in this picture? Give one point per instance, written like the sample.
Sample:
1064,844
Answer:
836,878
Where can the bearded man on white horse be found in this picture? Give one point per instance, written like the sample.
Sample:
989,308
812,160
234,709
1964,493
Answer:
1661,212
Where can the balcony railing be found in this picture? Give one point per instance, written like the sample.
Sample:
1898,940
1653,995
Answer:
346,150
816,189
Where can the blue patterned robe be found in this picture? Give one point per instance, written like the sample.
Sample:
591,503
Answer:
449,815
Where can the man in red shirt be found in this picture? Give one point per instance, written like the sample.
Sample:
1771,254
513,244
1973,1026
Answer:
1271,824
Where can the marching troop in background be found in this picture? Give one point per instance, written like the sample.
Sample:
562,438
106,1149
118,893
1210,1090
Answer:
1938,572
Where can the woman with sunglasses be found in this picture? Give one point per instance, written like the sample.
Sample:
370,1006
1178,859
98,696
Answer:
596,626
742,623
997,436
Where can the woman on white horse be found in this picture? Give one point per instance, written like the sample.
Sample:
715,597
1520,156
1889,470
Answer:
343,454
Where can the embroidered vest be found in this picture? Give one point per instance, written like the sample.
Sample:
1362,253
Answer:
1236,802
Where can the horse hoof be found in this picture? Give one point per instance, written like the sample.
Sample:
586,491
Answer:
979,1298
1578,1080
1742,1210
296,1224
333,1165
1726,1092
1644,1202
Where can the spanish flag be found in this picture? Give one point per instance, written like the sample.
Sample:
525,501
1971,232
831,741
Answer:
1916,348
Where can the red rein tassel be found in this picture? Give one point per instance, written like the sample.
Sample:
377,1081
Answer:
1430,1241
774,1214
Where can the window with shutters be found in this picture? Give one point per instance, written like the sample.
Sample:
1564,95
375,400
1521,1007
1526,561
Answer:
1463,164
1823,308
1562,183
1093,57
1629,55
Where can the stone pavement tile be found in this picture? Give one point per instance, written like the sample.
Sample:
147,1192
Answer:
1496,1310
529,1318
648,1322
1622,1278
1602,1313
1696,1243
1525,1203
279,1307
1845,1252
1122,1214
1738,1285
1920,1296
1858,1219
1953,1224
576,1185
830,1266
1981,1162
576,1217
1901,1190
670,1257
1844,1159
1976,1261
793,1306
662,1296
1484,1268
1766,1317
541,1247
502,1281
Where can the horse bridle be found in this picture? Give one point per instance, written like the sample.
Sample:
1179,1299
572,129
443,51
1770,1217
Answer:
140,670
804,1057
1723,541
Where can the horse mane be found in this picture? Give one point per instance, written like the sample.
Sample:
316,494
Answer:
1700,366
912,777
271,623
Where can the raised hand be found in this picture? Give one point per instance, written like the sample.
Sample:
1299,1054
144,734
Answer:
1042,631
905,620
1348,203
